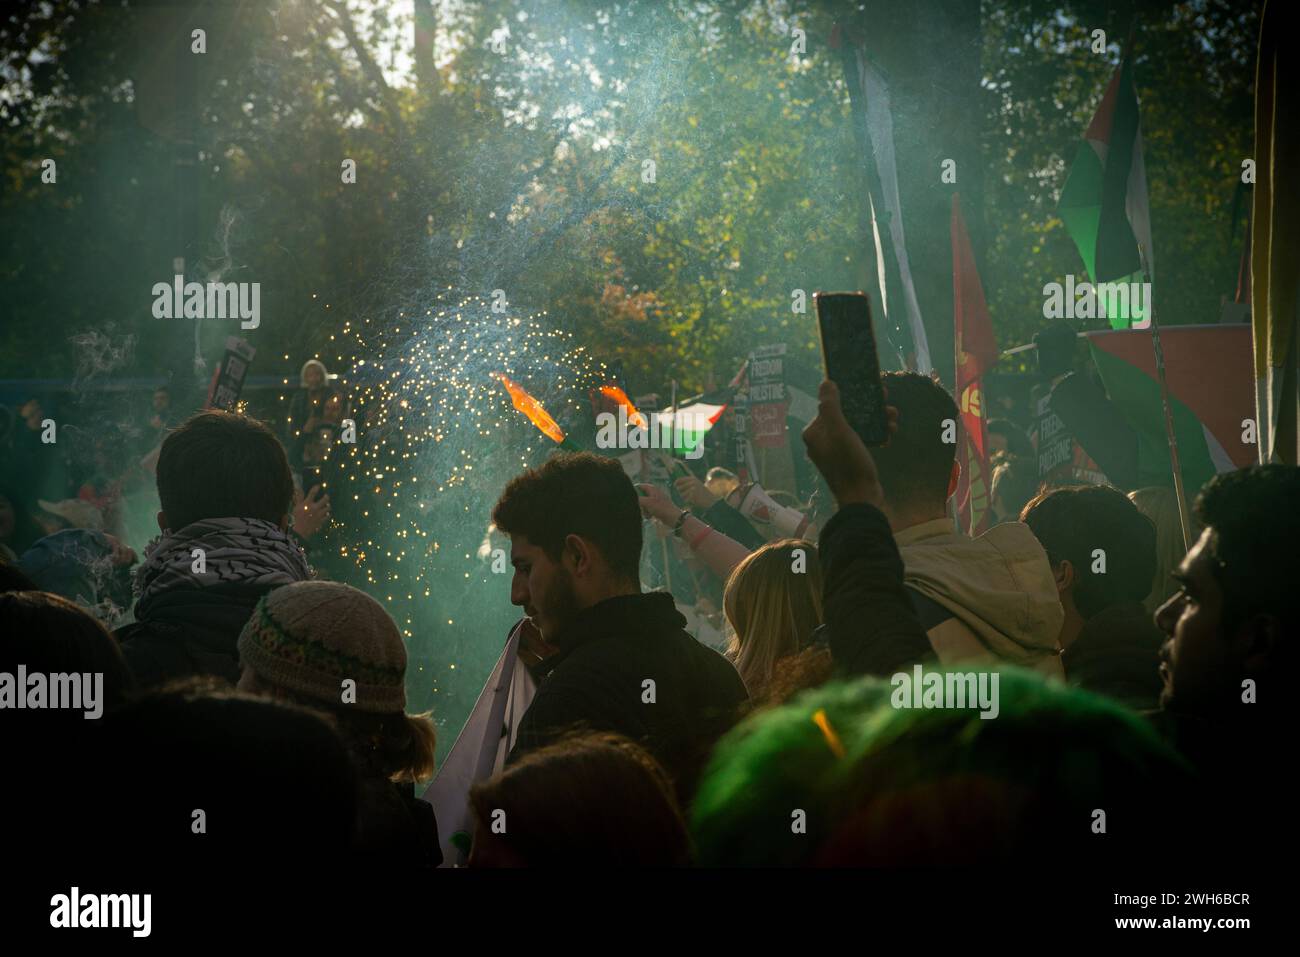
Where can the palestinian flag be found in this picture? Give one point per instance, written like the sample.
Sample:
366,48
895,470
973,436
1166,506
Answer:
1208,370
1275,247
1104,200
976,351
692,423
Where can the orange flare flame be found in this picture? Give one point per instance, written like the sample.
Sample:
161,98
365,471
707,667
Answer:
530,407
618,395
832,739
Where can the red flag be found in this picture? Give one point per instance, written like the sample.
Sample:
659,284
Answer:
975,352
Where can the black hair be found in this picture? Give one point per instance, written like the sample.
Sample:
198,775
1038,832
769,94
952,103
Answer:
52,635
223,465
916,465
1074,522
557,802
1254,515
576,494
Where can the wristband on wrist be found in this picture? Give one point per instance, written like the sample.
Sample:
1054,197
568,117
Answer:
708,530
686,512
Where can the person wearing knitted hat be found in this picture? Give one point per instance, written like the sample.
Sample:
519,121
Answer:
333,647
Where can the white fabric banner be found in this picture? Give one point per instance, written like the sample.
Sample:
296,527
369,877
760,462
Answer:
480,749
880,127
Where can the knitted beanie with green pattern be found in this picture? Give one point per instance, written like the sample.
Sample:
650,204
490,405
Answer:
312,637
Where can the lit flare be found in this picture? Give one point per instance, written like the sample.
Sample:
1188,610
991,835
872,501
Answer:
618,395
530,407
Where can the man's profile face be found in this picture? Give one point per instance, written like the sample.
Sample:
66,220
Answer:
541,587
1200,671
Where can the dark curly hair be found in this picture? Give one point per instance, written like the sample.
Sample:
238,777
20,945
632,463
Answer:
1254,518
576,494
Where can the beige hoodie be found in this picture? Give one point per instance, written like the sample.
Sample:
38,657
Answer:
999,586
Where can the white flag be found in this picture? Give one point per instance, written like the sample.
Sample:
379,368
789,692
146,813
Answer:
480,750
880,127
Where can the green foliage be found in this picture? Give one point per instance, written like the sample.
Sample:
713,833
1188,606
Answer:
521,169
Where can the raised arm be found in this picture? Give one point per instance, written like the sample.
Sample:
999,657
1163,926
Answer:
873,627
719,552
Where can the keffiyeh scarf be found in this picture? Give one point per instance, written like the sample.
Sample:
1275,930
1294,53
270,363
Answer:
244,551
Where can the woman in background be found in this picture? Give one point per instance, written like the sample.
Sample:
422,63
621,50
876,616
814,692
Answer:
316,403
773,602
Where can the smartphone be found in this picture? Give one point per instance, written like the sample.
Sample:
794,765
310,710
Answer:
851,361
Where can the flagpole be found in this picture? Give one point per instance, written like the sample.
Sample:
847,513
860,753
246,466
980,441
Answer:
672,457
1184,515
1171,434
672,446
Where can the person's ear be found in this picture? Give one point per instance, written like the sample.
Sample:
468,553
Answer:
953,476
1064,575
284,522
162,521
577,555
1260,637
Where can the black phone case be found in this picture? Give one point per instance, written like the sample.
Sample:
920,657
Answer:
852,362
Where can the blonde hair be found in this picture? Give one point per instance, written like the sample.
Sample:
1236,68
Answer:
1159,504
410,751
772,609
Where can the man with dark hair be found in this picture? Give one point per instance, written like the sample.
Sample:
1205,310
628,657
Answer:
624,662
1103,555
219,464
1230,651
1233,622
226,491
991,597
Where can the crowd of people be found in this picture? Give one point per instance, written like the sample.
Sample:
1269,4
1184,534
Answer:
248,704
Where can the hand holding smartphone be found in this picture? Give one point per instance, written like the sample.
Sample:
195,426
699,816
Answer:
852,362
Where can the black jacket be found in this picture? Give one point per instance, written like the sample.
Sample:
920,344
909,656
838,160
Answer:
394,827
189,632
1118,654
597,680
1245,805
871,620
731,523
